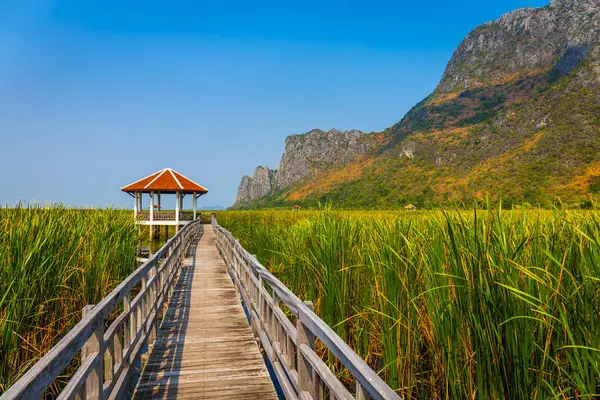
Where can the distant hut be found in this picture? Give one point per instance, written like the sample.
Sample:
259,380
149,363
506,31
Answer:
410,207
296,207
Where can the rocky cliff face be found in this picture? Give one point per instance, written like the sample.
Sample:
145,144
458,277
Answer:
523,42
316,150
508,62
257,185
304,155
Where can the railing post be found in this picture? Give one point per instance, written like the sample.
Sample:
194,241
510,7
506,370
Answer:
165,280
274,325
126,324
95,344
305,373
182,247
289,351
260,303
361,393
109,359
141,307
118,347
257,289
153,302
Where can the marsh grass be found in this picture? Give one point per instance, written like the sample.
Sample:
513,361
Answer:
53,261
480,304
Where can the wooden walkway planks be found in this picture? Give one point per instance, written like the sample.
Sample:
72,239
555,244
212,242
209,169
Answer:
205,348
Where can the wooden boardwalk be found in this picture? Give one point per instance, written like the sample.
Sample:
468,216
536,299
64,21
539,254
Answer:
183,303
205,348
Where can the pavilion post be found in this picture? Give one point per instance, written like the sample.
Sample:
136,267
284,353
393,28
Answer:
177,204
158,199
151,215
194,202
135,204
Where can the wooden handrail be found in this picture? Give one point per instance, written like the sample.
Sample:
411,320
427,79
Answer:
107,356
166,215
301,373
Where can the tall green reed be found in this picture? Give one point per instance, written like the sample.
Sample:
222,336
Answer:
480,304
53,261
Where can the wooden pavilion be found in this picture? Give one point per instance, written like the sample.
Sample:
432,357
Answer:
166,181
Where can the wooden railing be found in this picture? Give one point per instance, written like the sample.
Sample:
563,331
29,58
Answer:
291,349
166,215
187,216
107,355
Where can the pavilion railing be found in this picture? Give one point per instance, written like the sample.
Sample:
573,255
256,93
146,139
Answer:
186,216
166,215
107,355
291,349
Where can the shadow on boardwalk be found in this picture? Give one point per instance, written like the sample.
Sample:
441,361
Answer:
167,352
205,348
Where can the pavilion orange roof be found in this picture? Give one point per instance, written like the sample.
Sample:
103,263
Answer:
166,181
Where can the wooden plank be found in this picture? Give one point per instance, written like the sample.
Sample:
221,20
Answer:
205,348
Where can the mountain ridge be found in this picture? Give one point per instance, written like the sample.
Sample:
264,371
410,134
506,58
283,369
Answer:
304,154
515,115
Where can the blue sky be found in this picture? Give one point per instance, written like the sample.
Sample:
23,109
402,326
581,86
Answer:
97,94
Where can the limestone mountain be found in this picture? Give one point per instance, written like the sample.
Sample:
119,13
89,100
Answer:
522,43
515,116
303,156
256,186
